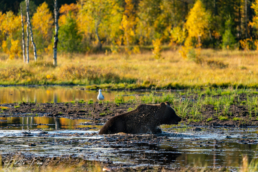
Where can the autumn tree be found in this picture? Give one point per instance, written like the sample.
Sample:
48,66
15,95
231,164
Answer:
128,24
228,39
101,17
254,23
43,30
197,22
69,38
9,26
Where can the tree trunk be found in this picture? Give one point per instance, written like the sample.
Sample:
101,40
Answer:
239,18
31,33
56,34
215,8
246,20
23,41
28,33
97,33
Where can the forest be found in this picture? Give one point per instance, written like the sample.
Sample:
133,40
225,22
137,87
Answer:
208,24
189,29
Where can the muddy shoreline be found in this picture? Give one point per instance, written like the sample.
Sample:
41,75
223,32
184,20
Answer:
100,113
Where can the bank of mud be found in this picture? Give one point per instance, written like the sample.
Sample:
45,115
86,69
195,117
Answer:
99,113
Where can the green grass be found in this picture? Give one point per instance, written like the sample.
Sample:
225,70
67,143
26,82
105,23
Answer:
209,119
129,109
237,119
102,114
81,101
223,118
90,101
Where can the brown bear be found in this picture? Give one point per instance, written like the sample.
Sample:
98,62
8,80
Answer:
144,119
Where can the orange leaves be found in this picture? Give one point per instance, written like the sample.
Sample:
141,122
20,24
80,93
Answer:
67,10
128,22
255,18
9,23
13,50
42,20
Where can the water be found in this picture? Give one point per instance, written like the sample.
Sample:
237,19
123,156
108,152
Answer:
53,94
178,146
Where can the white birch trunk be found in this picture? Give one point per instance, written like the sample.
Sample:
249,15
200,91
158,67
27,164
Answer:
23,41
56,34
28,33
31,33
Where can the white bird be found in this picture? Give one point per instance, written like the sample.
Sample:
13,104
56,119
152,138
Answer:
100,96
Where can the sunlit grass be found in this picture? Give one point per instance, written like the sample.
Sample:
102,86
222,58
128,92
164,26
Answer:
137,71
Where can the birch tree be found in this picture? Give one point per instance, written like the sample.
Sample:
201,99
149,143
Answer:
23,41
56,33
31,33
103,18
28,33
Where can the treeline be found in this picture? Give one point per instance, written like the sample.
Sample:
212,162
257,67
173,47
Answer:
14,5
192,24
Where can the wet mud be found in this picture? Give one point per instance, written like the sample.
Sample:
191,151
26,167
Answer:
173,150
239,113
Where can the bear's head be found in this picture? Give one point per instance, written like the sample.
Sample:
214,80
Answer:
169,116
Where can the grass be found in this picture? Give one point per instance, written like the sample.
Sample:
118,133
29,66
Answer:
138,71
102,114
192,103
209,119
237,119
223,118
90,101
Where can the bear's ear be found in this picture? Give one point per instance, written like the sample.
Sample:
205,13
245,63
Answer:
163,104
167,103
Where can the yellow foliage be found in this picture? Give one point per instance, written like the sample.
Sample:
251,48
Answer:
136,50
256,44
2,18
42,20
65,10
157,48
4,47
128,23
48,76
15,49
246,43
68,8
178,35
197,21
10,23
186,48
255,17
49,49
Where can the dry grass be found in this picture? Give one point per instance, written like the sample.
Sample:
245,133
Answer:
218,68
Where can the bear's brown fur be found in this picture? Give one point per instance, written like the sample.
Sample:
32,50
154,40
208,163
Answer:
144,119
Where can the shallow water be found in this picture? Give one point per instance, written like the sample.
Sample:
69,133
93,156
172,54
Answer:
55,94
178,146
